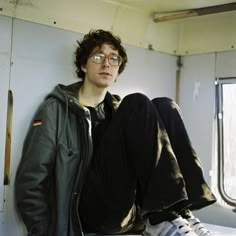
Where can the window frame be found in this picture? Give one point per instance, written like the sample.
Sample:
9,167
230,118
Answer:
220,137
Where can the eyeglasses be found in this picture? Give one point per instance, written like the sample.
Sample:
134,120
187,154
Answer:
114,60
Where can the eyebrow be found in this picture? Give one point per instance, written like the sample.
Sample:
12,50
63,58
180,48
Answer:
99,51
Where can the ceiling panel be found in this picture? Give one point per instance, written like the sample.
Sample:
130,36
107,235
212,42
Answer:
133,21
167,5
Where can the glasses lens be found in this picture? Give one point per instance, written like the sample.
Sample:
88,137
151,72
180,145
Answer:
98,58
114,60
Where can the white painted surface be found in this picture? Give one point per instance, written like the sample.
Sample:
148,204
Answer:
197,104
217,230
213,33
149,72
1,224
202,34
42,57
225,64
197,101
5,47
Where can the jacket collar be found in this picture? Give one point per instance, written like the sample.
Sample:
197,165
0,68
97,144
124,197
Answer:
72,91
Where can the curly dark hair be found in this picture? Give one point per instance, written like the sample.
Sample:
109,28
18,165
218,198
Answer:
96,38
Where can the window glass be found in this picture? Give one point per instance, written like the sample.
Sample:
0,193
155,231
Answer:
226,119
229,138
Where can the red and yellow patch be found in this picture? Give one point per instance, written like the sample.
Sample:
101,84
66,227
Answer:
37,122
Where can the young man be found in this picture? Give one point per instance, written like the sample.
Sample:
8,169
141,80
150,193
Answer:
93,163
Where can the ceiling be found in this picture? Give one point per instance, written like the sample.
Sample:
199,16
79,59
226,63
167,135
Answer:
162,6
138,22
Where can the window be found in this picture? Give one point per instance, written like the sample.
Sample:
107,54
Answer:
226,126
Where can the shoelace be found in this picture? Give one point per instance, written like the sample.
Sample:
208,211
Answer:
183,226
185,229
198,227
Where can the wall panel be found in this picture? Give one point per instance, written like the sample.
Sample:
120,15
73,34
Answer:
42,57
5,50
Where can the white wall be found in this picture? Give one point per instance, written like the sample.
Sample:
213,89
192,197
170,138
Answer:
5,48
197,100
93,14
226,64
43,56
201,34
197,103
148,72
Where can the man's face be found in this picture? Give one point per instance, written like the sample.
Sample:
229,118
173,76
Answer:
100,70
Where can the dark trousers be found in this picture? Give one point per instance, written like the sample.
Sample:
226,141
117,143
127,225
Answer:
144,164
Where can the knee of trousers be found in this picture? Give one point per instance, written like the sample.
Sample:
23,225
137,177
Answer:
136,99
165,104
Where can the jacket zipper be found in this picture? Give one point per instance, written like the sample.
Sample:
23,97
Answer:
82,171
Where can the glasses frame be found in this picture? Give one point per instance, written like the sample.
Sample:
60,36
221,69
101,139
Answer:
120,59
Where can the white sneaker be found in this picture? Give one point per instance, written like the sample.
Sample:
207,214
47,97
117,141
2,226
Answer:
198,227
177,227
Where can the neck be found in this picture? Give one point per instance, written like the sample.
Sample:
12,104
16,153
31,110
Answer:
91,95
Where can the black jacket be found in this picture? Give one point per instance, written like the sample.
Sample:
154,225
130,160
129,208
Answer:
56,154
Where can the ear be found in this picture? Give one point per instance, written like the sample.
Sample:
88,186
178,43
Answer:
83,68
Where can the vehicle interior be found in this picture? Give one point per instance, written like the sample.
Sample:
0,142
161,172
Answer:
185,50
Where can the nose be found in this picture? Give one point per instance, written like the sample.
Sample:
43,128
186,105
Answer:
106,62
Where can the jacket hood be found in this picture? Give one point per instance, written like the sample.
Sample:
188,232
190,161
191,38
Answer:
65,93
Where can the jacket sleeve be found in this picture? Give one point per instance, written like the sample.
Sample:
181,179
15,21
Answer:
32,183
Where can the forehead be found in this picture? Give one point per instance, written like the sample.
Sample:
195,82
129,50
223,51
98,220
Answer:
106,48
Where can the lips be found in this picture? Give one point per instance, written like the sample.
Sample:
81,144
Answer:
105,73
